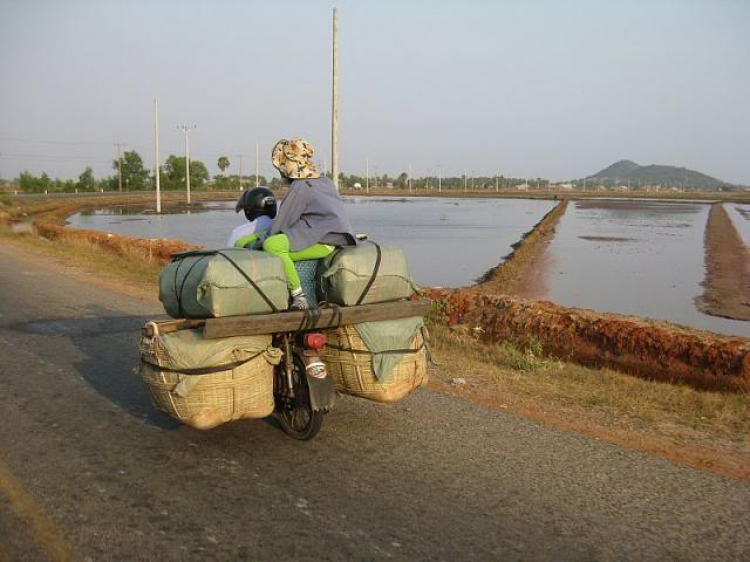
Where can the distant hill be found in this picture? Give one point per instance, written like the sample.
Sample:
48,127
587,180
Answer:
666,176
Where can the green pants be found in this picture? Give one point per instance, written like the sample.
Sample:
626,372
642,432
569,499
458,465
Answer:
250,241
279,245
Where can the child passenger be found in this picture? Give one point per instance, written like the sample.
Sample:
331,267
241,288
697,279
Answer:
259,205
311,220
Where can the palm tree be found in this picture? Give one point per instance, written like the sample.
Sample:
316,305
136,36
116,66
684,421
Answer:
223,164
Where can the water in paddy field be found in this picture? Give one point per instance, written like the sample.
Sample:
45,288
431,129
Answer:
634,257
448,242
740,215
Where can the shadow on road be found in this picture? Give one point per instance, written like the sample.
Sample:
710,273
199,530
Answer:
109,343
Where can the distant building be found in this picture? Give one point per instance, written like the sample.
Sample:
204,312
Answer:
522,187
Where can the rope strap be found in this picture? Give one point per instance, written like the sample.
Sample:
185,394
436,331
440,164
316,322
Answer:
367,352
375,270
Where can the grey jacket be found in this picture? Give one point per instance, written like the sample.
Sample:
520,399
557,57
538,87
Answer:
312,212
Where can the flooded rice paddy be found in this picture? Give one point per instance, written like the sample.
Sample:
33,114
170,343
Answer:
627,256
634,257
448,242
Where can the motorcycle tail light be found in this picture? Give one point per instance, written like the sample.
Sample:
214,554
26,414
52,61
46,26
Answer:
315,341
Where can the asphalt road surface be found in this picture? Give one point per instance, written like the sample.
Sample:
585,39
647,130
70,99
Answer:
89,471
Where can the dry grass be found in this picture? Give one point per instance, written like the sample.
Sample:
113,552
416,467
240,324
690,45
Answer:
133,266
614,397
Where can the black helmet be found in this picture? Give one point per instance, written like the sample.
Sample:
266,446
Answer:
257,202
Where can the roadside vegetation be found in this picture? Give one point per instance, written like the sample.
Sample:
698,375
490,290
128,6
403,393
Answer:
526,371
703,429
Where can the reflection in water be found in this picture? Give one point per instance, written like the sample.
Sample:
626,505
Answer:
656,272
740,215
448,242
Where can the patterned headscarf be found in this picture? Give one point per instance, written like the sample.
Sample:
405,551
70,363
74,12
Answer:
292,159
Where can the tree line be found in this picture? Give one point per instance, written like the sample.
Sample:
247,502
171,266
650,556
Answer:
131,175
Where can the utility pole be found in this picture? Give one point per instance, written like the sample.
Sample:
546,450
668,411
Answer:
409,177
497,186
241,157
156,157
465,188
440,181
119,166
257,164
335,105
367,175
186,129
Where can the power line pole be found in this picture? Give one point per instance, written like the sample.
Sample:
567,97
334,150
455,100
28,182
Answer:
440,180
119,166
497,186
367,175
465,189
186,129
156,156
257,164
409,177
241,157
335,105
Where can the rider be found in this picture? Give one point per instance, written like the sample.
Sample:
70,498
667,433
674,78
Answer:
311,220
259,205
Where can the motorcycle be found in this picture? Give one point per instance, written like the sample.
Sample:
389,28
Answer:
303,389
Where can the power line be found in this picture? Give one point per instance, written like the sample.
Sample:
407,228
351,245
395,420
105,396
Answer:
73,143
53,158
36,141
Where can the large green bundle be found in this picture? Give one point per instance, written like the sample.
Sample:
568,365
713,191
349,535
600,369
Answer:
366,273
230,282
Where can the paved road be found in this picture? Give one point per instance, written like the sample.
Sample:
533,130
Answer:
89,470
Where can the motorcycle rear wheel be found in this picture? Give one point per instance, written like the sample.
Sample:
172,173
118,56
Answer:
296,416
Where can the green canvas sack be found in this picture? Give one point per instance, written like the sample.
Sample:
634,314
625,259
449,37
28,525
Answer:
366,273
217,283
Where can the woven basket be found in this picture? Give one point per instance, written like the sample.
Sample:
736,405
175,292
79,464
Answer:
243,392
352,371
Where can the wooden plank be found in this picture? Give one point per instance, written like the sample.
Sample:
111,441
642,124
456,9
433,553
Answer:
306,320
169,326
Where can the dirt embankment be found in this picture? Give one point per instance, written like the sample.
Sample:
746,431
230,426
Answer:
726,287
51,225
640,347
522,272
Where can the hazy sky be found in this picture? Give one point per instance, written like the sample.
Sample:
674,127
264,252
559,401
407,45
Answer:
552,89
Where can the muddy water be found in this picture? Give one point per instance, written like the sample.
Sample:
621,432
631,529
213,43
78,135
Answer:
448,242
740,215
634,257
